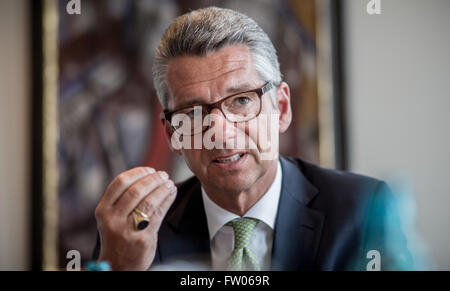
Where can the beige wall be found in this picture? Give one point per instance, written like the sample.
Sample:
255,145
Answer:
14,135
398,85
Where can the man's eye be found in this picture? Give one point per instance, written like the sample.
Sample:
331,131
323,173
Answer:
194,112
242,100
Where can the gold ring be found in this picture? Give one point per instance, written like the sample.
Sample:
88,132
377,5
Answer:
141,219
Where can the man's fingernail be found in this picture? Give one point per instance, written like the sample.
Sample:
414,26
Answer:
169,185
150,170
163,175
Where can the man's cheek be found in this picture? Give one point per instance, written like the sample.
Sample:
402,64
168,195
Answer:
243,137
269,140
264,133
192,159
251,130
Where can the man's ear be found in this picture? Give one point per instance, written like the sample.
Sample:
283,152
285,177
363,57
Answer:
284,106
168,133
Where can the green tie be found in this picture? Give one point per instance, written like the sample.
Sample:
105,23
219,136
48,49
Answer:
241,257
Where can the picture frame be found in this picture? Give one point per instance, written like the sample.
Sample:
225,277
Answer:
49,61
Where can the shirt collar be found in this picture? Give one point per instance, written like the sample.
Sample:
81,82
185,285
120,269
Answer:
264,210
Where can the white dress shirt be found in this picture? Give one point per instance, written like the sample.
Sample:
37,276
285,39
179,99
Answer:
261,241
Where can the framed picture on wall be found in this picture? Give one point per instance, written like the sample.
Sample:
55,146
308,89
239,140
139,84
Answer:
96,113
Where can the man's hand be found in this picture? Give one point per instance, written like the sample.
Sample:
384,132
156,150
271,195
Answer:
124,247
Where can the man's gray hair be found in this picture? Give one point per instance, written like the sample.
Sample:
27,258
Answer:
207,30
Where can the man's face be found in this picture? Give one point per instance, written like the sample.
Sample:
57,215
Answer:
208,79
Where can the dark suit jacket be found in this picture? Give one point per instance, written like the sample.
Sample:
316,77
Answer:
326,220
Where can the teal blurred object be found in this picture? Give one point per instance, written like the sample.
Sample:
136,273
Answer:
98,266
393,215
405,205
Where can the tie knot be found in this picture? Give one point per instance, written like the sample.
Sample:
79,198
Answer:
243,228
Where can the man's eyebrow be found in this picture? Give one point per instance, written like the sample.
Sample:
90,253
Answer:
240,88
230,91
197,101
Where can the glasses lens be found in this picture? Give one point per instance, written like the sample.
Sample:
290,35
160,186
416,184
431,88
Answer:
189,121
242,107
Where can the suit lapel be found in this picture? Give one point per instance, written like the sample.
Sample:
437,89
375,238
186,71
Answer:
298,227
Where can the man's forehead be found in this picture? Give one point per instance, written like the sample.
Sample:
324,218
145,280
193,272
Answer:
189,75
195,69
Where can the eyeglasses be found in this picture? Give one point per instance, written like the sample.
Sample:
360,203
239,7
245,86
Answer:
240,107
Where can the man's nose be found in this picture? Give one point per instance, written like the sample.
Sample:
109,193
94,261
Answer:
224,129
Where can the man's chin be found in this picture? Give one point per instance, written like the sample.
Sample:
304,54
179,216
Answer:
230,185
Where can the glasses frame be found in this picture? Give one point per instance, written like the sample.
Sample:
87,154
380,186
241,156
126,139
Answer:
167,114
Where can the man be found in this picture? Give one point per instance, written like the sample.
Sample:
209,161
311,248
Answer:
247,208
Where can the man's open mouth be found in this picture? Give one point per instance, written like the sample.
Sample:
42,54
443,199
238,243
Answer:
230,159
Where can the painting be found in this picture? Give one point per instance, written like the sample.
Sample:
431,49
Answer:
96,113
